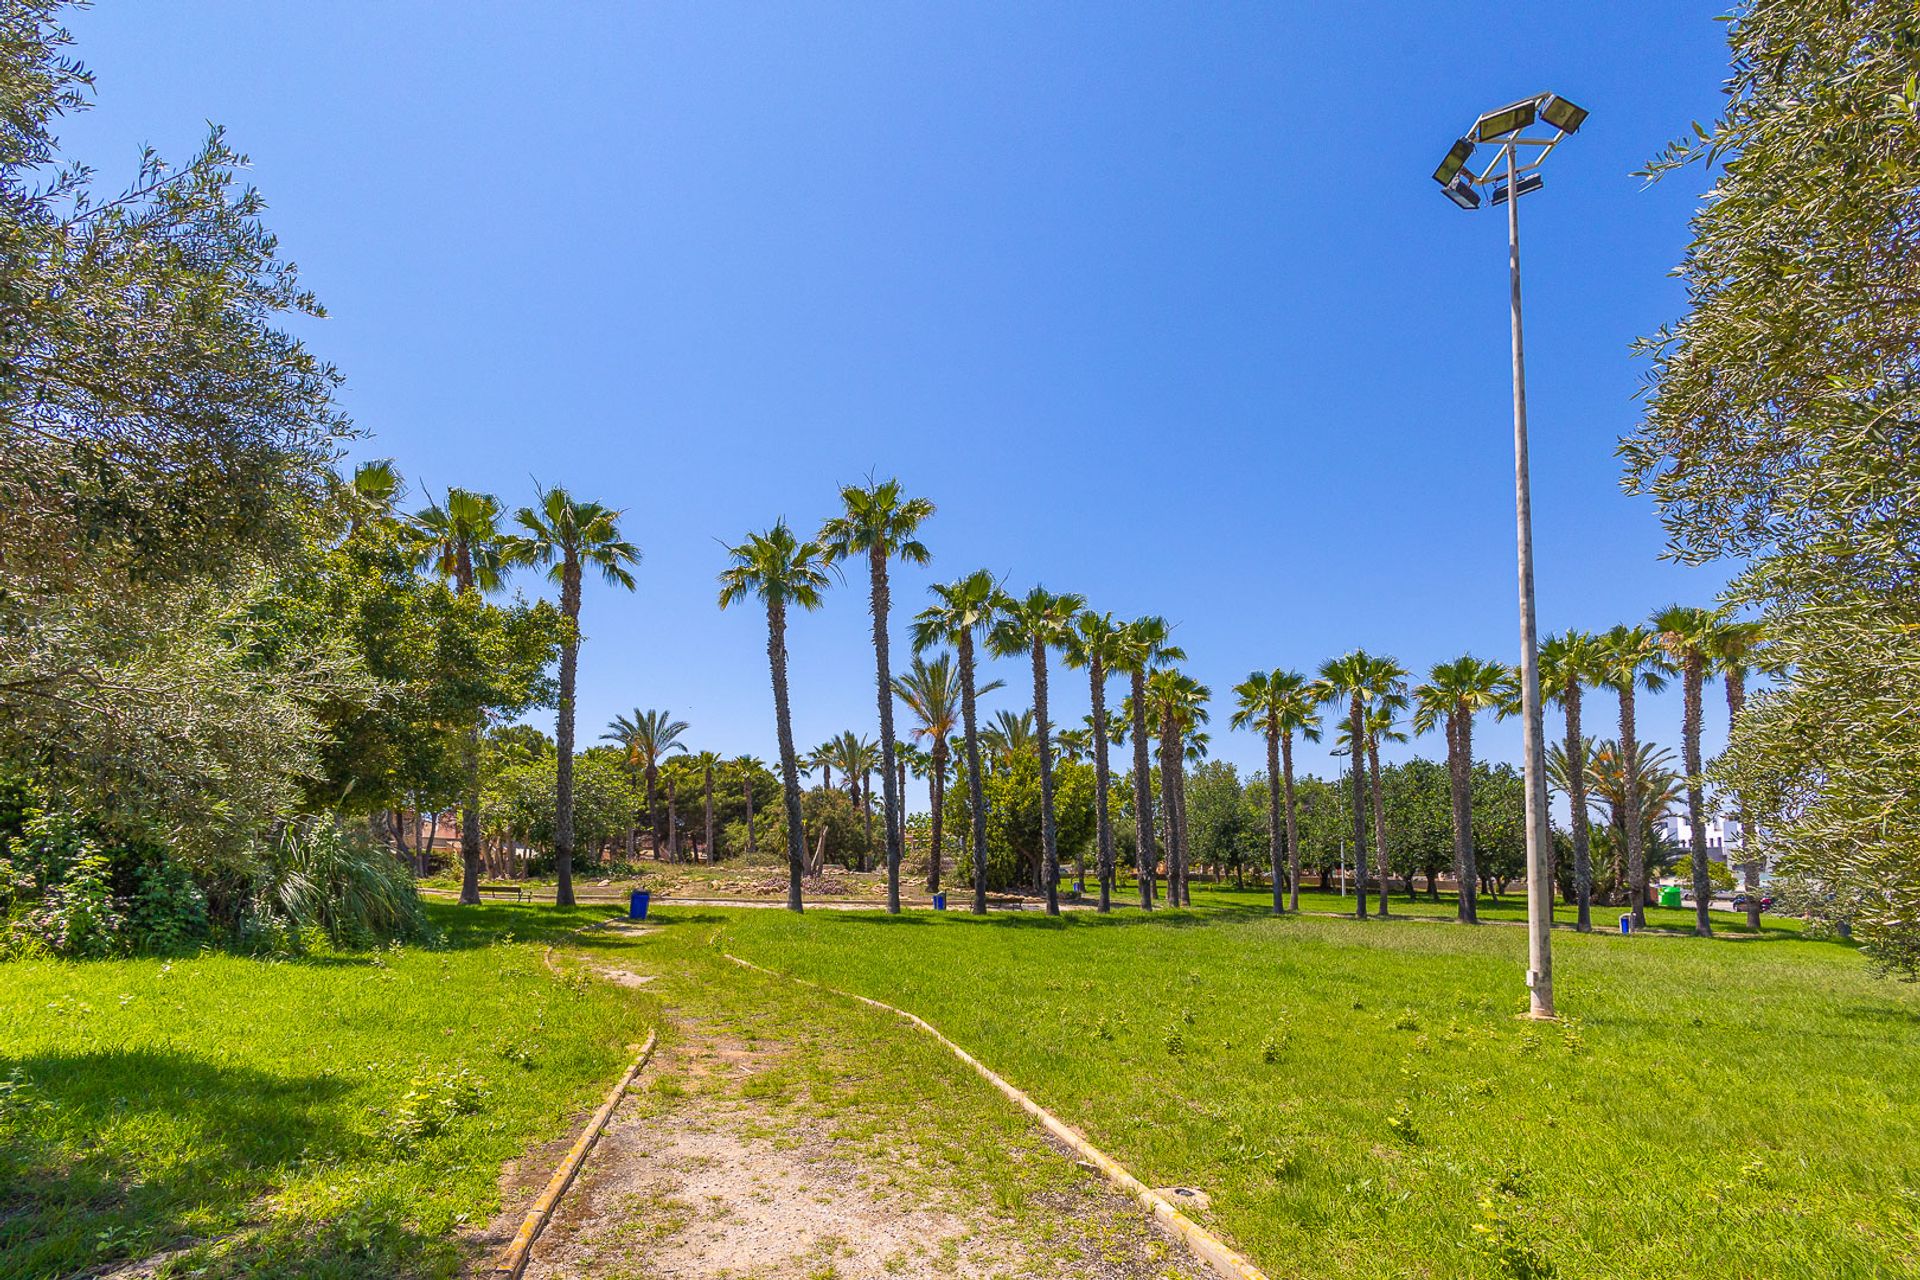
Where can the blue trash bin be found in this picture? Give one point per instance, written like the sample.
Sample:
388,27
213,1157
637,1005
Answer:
1626,923
939,902
637,904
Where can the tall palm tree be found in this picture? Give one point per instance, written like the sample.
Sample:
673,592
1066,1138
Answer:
1280,704
1145,646
1569,662
1093,642
1178,702
744,768
780,571
1454,693
649,737
1350,678
373,493
821,758
566,537
931,690
880,522
1386,700
460,539
1740,650
1685,634
708,761
1631,662
1033,624
962,613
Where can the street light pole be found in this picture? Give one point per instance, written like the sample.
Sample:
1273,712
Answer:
1507,128
1539,834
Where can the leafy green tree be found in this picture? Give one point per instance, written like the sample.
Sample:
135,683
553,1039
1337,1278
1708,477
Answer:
1739,650
881,523
566,537
1454,693
1780,433
1224,821
780,571
1034,624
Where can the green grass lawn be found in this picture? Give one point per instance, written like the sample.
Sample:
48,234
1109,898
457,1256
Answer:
335,1115
1361,1100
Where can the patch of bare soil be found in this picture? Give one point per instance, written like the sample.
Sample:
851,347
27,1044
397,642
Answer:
714,1168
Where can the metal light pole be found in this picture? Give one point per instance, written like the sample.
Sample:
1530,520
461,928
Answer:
1506,129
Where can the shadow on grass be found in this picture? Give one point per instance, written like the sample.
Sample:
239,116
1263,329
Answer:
71,1198
1119,918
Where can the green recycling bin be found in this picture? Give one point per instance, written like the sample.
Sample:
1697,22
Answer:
1671,896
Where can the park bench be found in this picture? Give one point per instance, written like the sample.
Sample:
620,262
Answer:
513,891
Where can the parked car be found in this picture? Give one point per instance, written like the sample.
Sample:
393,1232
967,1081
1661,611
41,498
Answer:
1740,900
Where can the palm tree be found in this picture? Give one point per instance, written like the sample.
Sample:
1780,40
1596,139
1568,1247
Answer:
744,768
879,522
779,570
1454,693
963,612
708,762
649,737
1739,650
821,758
1178,703
566,537
1093,642
1385,702
931,690
1631,661
1033,624
1569,662
1280,704
1685,634
460,540
1011,734
1144,647
371,496
1350,678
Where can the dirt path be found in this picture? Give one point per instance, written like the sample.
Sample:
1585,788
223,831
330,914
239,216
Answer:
753,1149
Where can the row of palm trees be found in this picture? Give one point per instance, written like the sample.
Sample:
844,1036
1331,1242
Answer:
882,524
467,540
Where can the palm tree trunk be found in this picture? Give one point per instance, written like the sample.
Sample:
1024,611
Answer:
709,787
563,737
673,821
746,783
936,799
893,792
1273,817
1293,830
1577,806
789,768
1636,846
1750,866
1693,676
1467,866
1180,827
1142,793
1379,821
653,807
976,801
1170,804
470,821
1049,846
1356,737
1103,838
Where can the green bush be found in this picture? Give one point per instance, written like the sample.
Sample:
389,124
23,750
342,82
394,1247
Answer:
317,876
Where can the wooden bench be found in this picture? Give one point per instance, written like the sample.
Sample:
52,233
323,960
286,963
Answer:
513,891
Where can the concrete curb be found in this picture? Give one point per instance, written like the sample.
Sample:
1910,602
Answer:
1208,1247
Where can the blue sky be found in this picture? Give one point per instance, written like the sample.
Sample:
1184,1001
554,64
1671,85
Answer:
1157,302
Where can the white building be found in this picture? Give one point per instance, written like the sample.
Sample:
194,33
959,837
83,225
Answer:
1723,834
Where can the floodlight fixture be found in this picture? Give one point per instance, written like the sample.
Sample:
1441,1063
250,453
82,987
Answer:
1461,191
1561,114
1457,156
1505,120
1531,182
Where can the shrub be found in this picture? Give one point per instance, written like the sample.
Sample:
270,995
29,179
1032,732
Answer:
318,876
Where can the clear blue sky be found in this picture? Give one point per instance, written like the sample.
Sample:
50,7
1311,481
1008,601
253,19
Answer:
1158,303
